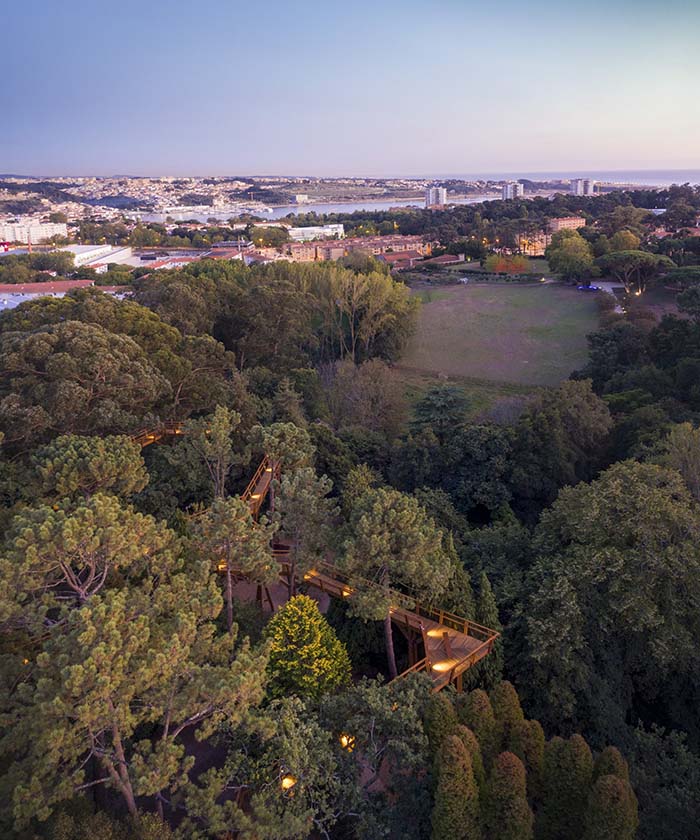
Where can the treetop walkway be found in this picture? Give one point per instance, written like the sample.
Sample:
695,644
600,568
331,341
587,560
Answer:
450,644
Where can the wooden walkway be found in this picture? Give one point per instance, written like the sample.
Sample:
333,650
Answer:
259,486
450,644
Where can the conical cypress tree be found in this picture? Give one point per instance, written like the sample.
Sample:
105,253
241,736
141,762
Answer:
612,810
475,712
527,742
439,721
468,738
306,657
611,763
506,707
456,810
566,784
490,669
505,812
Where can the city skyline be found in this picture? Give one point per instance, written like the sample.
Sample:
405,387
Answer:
325,91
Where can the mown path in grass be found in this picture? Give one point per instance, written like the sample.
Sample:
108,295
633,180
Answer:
503,333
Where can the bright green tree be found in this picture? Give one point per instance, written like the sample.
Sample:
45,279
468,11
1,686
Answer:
456,809
80,466
393,542
506,813
306,657
229,538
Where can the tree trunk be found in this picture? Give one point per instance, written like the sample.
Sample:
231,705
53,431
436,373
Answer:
229,595
389,642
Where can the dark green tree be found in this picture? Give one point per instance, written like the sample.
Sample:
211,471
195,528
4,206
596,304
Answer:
612,811
456,809
566,784
506,813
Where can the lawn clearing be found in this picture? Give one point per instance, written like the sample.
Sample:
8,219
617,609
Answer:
503,333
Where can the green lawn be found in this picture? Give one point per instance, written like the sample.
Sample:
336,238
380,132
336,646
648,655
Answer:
501,335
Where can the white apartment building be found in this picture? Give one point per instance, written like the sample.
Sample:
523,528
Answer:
306,234
513,189
31,231
435,197
582,186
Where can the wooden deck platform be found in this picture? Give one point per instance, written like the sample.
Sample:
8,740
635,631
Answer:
451,644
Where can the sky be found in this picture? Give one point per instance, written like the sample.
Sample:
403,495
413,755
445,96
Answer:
389,87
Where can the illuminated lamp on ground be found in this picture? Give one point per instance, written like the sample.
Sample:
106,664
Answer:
287,782
347,742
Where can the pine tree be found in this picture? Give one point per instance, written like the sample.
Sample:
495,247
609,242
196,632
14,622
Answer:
527,742
474,711
306,657
507,710
612,810
456,810
227,535
72,465
287,404
566,784
304,513
506,814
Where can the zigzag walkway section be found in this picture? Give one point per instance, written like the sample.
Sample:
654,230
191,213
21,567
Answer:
450,644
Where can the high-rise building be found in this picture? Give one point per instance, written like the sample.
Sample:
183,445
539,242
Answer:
435,197
513,189
582,186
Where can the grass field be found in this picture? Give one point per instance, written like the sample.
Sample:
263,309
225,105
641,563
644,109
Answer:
498,340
